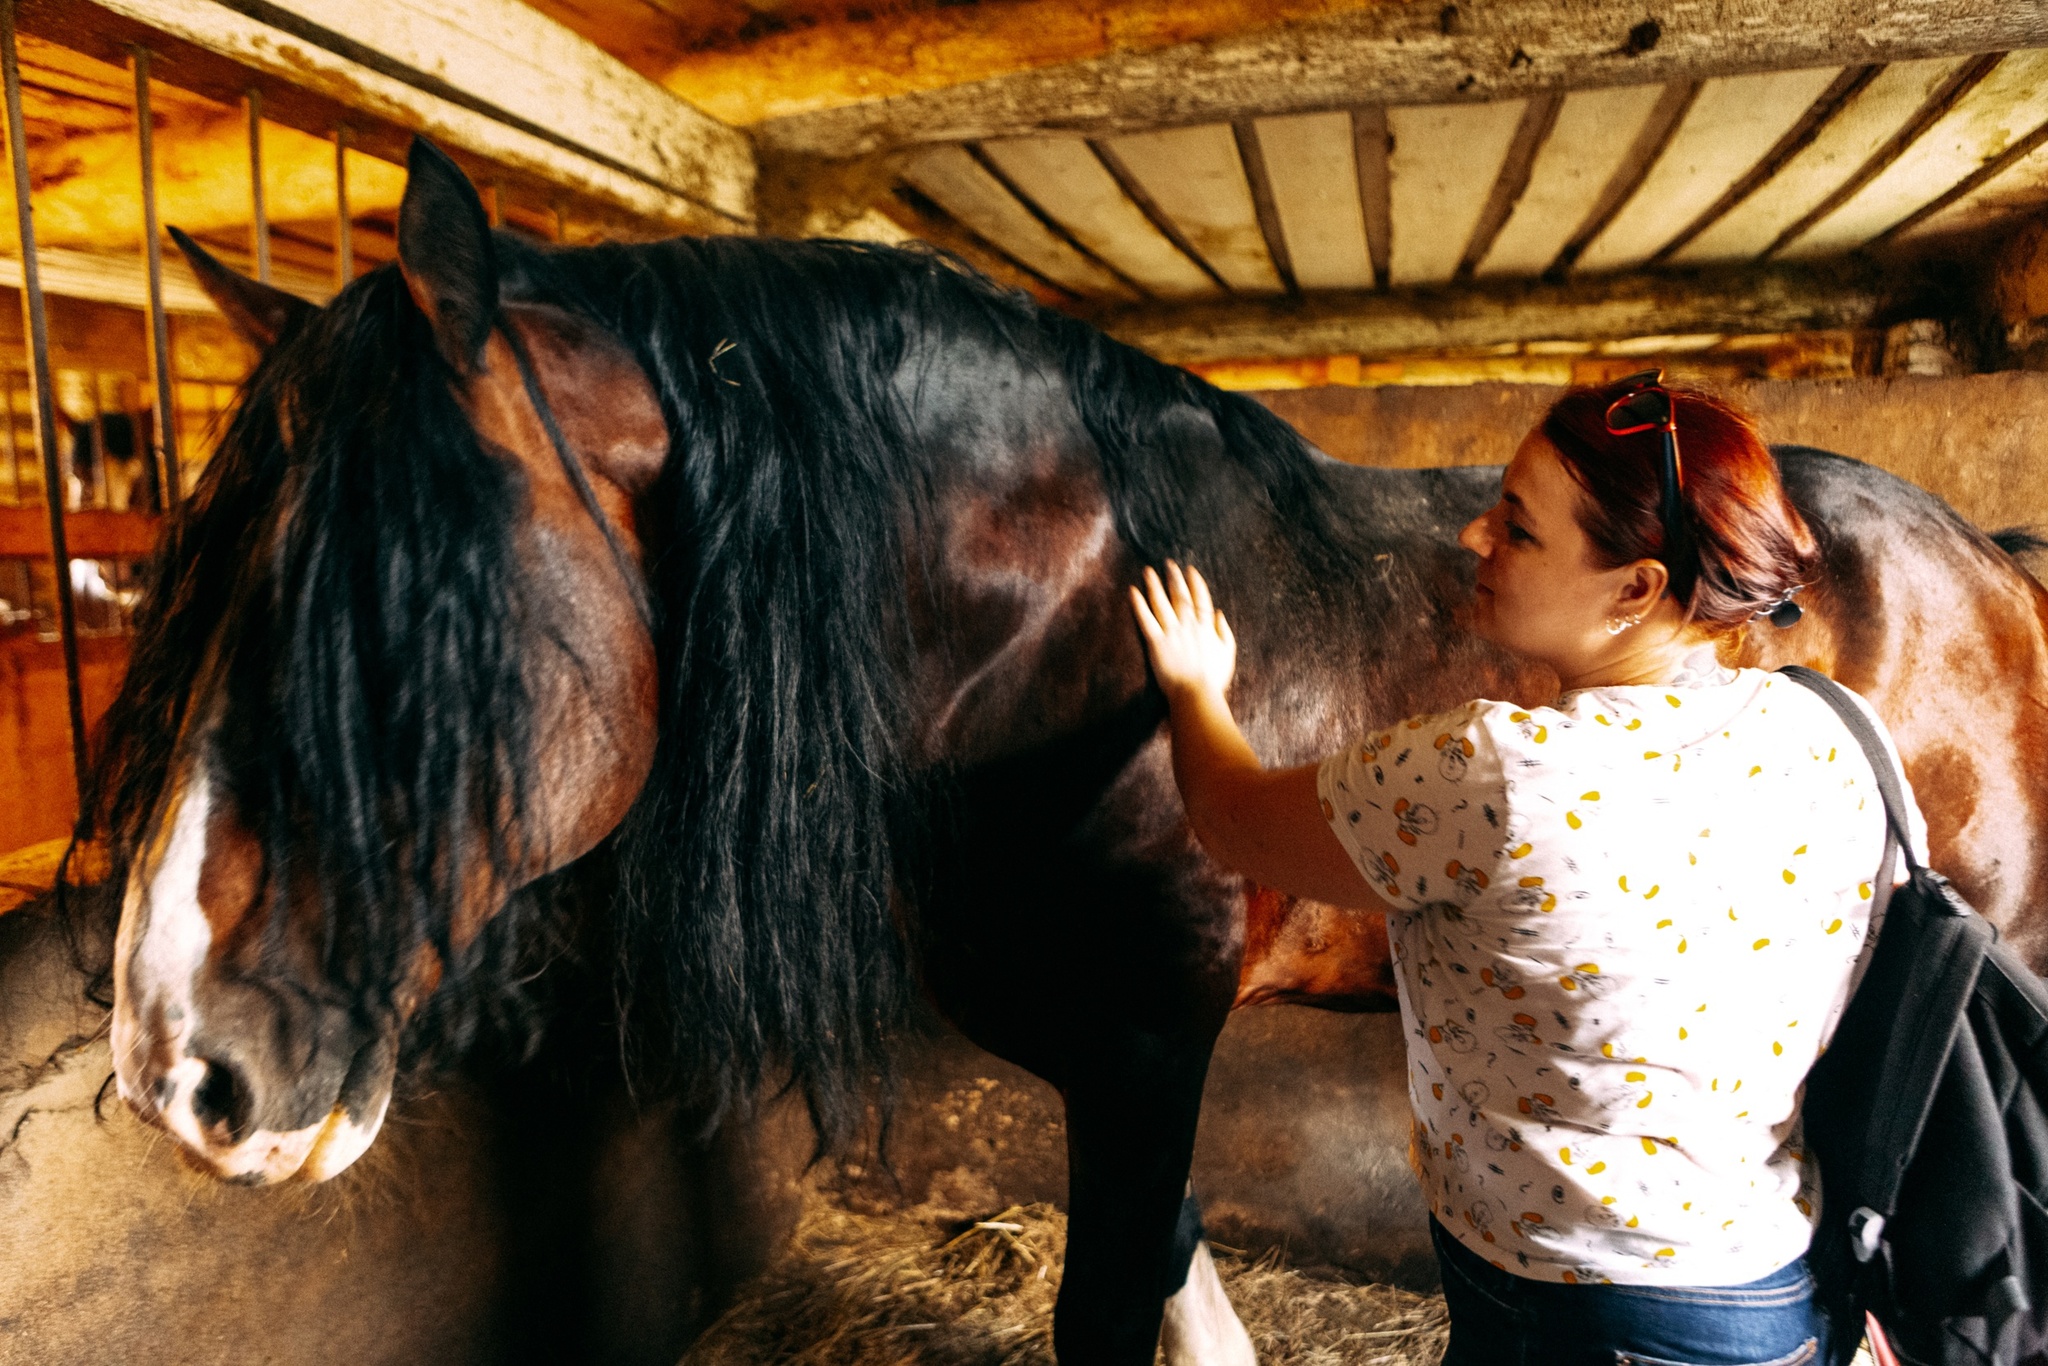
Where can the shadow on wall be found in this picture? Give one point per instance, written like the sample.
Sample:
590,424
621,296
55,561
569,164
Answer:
1976,441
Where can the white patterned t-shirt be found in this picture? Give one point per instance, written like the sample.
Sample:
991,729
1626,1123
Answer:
1626,925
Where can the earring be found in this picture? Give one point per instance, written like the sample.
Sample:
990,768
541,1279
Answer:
1616,625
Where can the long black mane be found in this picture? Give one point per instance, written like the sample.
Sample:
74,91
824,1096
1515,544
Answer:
773,860
342,587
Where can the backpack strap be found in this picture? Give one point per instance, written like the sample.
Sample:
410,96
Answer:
1928,979
1899,835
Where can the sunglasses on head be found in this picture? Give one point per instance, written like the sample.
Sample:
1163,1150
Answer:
1644,406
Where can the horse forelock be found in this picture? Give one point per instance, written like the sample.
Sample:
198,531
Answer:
344,588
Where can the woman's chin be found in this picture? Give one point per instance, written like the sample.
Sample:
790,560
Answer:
1477,615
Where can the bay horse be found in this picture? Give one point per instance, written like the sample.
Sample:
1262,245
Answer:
792,574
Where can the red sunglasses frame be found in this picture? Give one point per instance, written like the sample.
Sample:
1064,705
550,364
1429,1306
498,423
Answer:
1647,406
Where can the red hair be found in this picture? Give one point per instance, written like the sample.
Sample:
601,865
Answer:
1753,547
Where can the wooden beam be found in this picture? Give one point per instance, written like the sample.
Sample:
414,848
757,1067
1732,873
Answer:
1944,98
1538,118
1417,52
483,108
89,534
119,279
1371,144
1635,167
1775,298
1851,82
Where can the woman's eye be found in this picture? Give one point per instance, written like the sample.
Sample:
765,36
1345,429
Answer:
1517,533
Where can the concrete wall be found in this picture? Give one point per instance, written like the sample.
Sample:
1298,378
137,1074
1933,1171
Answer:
1979,441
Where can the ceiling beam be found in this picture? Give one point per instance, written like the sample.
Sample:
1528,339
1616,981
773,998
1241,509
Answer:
1417,52
543,113
1744,301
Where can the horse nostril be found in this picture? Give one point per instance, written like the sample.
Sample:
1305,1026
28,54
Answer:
223,1098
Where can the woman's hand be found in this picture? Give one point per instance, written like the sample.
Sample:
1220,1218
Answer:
1192,648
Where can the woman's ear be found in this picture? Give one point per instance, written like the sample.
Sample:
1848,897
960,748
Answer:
1642,588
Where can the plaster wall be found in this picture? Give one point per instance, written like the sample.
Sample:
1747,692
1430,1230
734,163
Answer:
1979,441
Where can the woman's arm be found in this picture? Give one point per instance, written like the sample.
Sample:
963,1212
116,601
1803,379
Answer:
1266,825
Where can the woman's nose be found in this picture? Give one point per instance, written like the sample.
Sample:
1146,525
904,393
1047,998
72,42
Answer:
1477,536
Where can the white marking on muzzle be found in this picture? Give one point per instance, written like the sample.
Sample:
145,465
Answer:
158,953
342,1141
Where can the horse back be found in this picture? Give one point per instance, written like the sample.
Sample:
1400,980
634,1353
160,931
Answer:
1947,637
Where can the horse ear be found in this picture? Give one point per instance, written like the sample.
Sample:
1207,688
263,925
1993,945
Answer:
446,253
260,313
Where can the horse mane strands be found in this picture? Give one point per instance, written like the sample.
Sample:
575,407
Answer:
771,868
354,584
762,867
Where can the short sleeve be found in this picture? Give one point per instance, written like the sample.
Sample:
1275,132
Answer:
1420,807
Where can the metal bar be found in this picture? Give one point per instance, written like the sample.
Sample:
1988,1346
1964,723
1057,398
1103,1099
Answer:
96,440
259,223
39,373
170,481
344,227
7,433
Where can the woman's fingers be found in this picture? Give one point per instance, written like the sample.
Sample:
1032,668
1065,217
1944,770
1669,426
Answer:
1162,606
1205,606
1176,596
1183,600
1148,624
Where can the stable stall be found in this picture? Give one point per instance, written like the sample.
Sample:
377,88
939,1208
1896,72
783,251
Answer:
1403,226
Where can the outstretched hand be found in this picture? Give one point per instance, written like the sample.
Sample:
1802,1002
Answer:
1191,645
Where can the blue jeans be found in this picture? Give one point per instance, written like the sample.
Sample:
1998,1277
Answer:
1498,1319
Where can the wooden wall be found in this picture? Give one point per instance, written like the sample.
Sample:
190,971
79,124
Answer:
1979,441
38,798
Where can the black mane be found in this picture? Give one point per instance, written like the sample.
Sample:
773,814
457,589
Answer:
764,863
770,868
343,581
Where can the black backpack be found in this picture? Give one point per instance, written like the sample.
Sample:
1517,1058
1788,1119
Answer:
1928,1114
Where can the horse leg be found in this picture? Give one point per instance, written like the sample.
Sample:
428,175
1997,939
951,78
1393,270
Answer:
1200,1328
1132,1103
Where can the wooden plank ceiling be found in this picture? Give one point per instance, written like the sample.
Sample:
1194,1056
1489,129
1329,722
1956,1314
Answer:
1776,165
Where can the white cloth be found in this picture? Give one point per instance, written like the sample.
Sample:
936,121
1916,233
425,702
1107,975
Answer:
1626,925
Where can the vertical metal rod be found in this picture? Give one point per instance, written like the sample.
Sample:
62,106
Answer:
344,227
7,433
100,490
259,224
169,481
39,374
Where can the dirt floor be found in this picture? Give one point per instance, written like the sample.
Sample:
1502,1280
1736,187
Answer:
927,1286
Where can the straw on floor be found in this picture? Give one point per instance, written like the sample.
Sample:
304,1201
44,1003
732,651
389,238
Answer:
920,1287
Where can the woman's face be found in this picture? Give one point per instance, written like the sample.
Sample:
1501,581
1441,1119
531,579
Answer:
1540,594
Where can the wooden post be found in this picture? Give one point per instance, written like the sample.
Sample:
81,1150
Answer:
259,223
344,226
170,480
39,375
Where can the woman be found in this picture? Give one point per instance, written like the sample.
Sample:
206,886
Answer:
1623,924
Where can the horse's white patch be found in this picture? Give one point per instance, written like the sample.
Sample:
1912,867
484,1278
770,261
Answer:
1200,1327
158,951
342,1141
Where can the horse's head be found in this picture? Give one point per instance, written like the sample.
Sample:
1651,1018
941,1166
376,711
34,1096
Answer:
396,665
